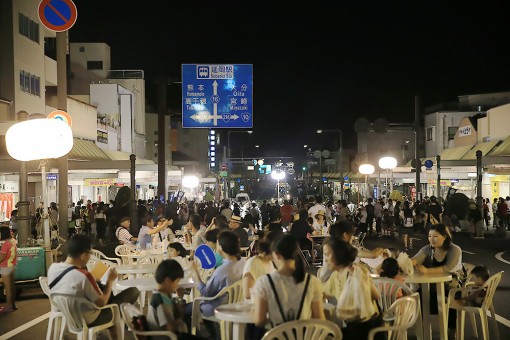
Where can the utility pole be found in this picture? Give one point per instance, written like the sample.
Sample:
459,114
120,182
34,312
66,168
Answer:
417,135
63,169
23,204
162,84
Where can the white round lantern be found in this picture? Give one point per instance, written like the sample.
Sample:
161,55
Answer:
366,169
39,139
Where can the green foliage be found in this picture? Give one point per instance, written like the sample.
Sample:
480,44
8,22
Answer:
457,204
355,198
396,196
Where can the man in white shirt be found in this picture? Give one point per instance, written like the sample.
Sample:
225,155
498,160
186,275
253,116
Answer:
72,278
315,209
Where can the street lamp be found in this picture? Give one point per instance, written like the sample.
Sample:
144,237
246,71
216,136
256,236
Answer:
366,169
388,163
54,139
278,174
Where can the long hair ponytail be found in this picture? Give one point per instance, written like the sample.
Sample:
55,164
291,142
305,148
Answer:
288,247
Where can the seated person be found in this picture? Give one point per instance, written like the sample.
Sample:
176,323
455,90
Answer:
72,278
343,231
147,230
302,230
165,313
479,276
122,233
177,252
228,273
235,226
211,239
390,269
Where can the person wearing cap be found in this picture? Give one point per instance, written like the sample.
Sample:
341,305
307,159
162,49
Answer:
320,225
235,225
122,233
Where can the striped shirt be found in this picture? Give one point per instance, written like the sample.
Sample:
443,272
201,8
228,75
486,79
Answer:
123,235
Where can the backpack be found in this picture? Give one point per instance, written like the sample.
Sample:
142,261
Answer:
140,324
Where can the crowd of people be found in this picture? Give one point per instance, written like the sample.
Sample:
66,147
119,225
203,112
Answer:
274,274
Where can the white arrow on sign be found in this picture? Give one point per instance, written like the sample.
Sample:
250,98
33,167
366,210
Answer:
215,105
234,116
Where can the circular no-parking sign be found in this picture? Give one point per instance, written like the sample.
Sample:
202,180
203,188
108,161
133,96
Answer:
57,15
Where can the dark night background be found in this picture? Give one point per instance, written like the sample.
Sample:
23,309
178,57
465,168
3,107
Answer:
322,65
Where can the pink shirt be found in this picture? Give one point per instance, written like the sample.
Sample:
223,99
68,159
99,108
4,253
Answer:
9,248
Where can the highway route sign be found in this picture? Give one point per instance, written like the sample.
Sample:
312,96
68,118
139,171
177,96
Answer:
217,96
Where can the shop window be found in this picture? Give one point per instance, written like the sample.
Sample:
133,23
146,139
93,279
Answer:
452,130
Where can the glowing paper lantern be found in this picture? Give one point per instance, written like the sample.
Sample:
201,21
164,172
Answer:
190,181
39,139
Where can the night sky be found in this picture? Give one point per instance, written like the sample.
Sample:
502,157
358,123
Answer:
322,65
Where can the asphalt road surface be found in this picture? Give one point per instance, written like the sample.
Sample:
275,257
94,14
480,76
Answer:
31,319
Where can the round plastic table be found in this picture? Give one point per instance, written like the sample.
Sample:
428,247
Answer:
239,314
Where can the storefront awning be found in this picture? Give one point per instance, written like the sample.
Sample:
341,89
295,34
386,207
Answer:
86,150
502,149
455,154
485,148
124,156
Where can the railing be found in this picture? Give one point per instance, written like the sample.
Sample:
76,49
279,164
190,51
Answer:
126,74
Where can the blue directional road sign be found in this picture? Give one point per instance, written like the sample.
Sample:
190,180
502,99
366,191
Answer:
217,96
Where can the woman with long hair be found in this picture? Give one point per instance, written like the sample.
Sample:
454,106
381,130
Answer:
288,293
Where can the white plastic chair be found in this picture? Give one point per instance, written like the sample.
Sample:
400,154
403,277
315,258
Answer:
93,260
57,322
234,293
128,311
151,259
405,311
487,305
388,290
124,249
100,255
305,329
71,307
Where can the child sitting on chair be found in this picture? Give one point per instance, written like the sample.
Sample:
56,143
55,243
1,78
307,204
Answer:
391,269
479,275
166,313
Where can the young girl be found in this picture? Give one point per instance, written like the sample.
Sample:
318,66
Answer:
8,260
289,293
390,269
177,252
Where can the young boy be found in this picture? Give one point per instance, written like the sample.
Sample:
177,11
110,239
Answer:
479,275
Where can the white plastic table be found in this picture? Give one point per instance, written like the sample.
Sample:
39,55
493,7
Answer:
239,314
149,283
425,280
133,269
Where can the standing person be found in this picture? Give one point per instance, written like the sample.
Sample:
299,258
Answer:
100,219
495,219
502,212
370,210
433,212
226,210
8,261
255,216
486,211
378,214
286,211
302,231
183,214
407,229
39,212
264,213
312,211
288,293
53,214
475,217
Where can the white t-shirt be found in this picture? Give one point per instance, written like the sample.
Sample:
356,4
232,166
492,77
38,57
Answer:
77,282
289,294
258,267
315,209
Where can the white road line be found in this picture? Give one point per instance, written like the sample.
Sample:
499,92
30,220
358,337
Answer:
468,252
500,319
499,256
24,327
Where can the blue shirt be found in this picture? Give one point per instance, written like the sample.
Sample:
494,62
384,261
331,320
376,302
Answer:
226,274
144,237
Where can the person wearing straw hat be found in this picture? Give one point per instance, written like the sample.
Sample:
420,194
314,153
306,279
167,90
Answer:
320,224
